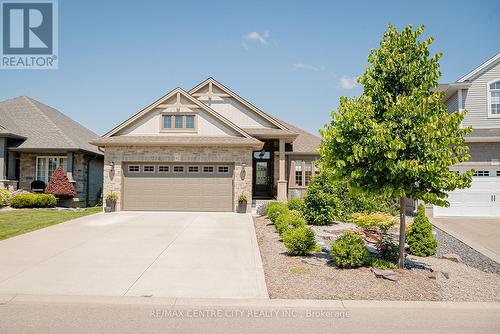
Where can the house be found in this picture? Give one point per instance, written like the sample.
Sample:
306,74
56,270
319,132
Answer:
35,139
478,93
200,150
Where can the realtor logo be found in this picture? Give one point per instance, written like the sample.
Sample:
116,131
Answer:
29,35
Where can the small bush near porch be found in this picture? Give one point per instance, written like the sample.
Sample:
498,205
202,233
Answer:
16,222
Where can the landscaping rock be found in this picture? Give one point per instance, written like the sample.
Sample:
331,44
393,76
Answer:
387,274
452,257
438,275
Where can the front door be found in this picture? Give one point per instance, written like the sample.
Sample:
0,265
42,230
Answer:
262,180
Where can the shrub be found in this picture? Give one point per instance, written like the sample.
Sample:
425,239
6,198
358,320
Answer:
349,251
291,219
4,197
242,198
59,185
419,235
112,196
321,205
299,240
33,201
274,209
296,204
381,264
376,219
388,249
262,209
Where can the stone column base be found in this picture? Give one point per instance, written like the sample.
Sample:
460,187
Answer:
282,191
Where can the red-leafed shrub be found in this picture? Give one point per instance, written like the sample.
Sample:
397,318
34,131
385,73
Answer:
59,185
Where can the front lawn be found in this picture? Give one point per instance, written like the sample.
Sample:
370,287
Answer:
15,222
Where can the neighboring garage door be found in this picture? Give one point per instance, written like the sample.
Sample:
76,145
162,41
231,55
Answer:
178,187
482,199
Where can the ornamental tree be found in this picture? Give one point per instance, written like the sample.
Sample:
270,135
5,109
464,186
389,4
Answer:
59,185
398,139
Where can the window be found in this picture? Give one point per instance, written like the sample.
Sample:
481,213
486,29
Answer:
308,172
148,169
163,169
133,168
482,173
298,173
178,169
223,169
45,167
498,172
189,121
208,169
193,169
494,99
167,121
176,121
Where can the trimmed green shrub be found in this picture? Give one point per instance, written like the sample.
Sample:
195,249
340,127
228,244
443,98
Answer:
388,249
33,201
419,235
349,250
376,219
274,209
4,197
296,204
299,240
381,263
321,205
291,219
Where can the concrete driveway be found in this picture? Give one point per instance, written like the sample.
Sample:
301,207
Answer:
194,255
482,234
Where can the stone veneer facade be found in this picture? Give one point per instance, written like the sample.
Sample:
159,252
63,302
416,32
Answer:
242,179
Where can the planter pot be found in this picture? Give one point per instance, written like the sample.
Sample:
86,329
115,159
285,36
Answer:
110,205
65,202
242,207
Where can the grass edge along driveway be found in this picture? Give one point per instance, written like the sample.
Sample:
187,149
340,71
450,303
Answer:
16,222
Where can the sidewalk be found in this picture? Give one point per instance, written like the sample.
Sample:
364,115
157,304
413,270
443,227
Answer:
80,314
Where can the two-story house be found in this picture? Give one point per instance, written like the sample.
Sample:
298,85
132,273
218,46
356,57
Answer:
478,93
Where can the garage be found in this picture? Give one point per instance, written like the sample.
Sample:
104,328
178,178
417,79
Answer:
482,199
178,186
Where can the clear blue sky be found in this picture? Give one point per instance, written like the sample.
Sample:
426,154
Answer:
292,59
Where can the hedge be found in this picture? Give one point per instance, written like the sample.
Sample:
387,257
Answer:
33,201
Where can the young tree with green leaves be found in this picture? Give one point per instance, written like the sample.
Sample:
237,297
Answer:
398,139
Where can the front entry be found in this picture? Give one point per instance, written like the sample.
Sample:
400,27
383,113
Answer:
262,174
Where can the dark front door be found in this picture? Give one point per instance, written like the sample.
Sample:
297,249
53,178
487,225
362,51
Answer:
262,180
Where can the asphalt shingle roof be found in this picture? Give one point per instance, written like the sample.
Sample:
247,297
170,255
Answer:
43,127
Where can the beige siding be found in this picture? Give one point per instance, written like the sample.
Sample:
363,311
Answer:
476,101
452,103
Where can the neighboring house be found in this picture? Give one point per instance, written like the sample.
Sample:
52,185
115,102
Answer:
200,150
478,92
35,139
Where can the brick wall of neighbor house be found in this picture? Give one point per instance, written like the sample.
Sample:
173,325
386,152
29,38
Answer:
484,152
113,179
27,173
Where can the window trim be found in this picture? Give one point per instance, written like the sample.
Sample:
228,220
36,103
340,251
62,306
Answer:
205,172
293,165
147,171
163,171
133,171
178,172
192,172
47,157
223,166
488,98
178,113
481,173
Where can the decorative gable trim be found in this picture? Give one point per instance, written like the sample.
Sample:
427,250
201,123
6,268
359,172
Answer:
178,92
478,70
229,93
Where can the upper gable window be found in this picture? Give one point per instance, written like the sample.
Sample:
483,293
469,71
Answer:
176,122
494,99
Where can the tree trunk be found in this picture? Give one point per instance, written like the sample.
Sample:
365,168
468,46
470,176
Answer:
402,232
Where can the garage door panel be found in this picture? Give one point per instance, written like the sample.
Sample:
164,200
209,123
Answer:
178,193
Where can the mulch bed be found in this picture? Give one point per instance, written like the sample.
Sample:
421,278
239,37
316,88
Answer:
315,277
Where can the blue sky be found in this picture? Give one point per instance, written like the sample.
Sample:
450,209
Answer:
292,59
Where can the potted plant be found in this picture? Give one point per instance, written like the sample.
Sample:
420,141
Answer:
242,204
111,202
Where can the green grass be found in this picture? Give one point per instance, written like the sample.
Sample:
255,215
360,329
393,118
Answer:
299,270
17,222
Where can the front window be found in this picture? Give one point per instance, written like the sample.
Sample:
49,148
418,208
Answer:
494,89
45,167
298,173
308,172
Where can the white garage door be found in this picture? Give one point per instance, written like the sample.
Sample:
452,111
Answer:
482,199
178,187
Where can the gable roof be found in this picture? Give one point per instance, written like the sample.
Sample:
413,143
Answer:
43,127
185,94
247,104
305,143
481,68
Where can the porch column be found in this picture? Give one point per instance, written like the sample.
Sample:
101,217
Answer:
3,151
282,184
69,166
11,167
